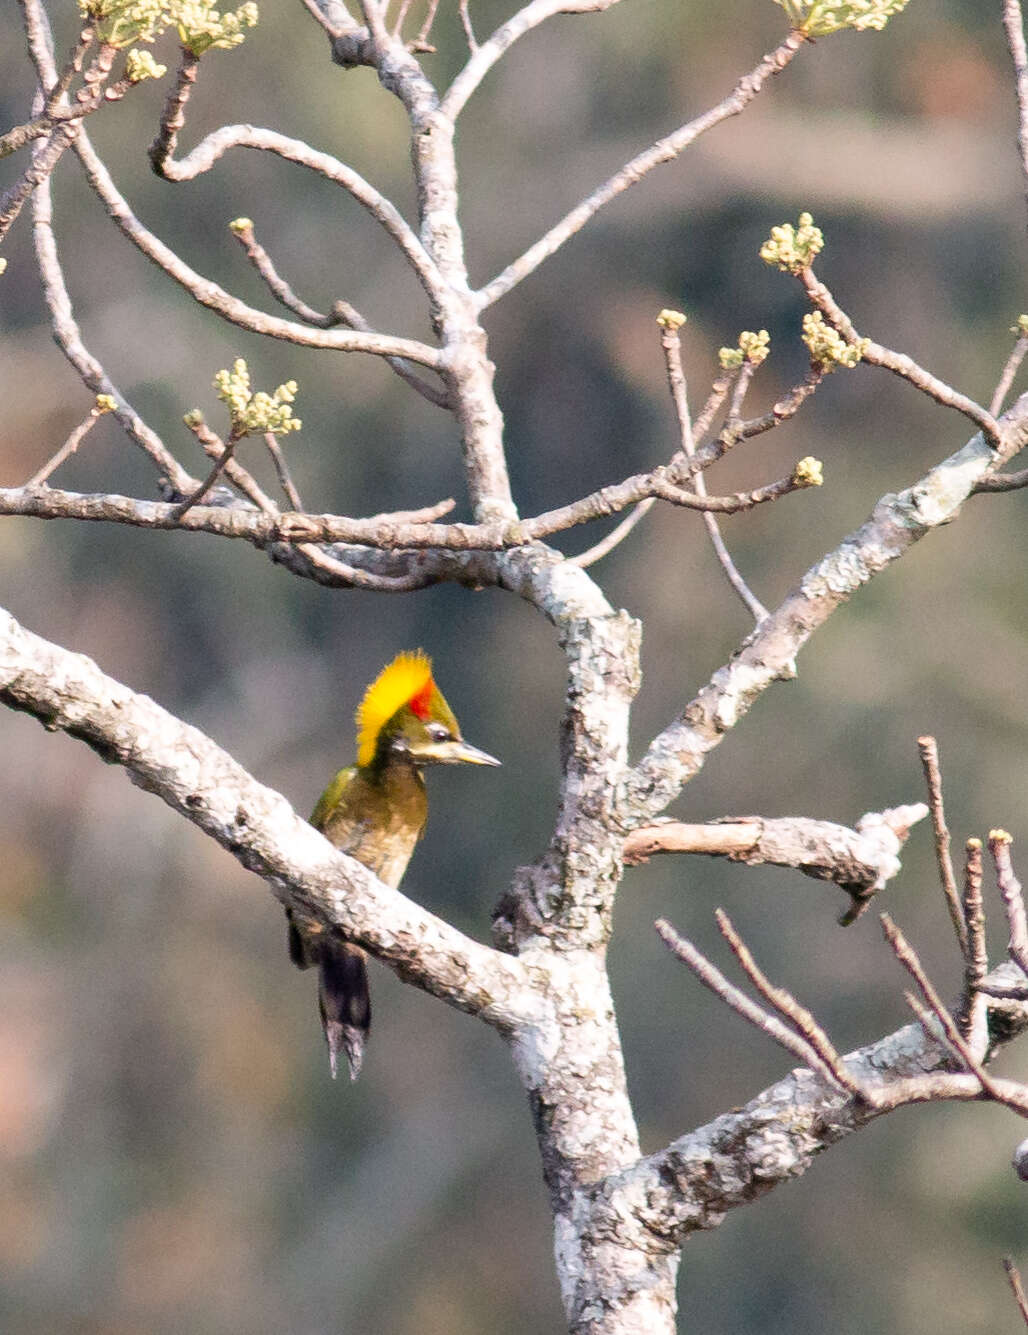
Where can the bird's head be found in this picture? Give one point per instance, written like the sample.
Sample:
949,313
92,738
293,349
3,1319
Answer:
404,714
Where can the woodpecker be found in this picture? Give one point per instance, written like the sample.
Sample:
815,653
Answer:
376,811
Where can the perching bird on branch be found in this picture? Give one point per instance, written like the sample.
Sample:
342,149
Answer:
376,811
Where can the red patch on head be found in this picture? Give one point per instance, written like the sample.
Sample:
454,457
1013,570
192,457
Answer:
420,703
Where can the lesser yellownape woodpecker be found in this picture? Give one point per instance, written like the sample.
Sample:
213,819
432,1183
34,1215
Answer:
376,811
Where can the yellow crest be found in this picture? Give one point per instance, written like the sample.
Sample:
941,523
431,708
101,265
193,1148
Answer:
408,676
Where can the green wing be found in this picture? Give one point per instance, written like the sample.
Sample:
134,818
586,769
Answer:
332,796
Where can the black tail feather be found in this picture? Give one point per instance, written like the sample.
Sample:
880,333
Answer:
344,1002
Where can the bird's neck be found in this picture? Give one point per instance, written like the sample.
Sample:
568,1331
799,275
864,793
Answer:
399,783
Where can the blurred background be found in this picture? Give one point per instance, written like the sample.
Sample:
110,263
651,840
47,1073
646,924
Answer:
173,1155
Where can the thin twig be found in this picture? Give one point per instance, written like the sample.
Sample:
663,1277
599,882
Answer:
972,1015
44,159
73,66
780,412
899,363
485,55
220,463
425,514
665,150
373,13
322,20
615,537
715,398
282,469
66,451
401,18
929,749
52,113
65,328
786,1004
1017,355
1013,901
230,308
671,343
739,391
203,157
348,315
711,977
1013,22
735,502
351,576
242,230
953,1038
1013,1274
342,313
974,917
421,42
469,32
1001,482
68,337
241,478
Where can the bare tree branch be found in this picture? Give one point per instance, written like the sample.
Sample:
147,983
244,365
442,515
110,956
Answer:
776,1136
860,861
485,56
1002,482
44,160
203,157
898,363
929,749
333,528
282,470
1013,901
712,978
1013,1274
615,537
69,447
1013,22
342,313
665,150
465,22
1013,363
203,290
672,346
974,917
196,778
769,652
787,1006
951,1034
69,339
230,308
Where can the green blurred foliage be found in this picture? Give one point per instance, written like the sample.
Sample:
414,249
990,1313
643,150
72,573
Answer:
175,1157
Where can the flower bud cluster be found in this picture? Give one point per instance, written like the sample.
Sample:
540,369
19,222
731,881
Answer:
820,18
121,23
752,347
252,414
793,248
828,348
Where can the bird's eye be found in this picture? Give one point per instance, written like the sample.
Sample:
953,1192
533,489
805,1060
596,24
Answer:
438,733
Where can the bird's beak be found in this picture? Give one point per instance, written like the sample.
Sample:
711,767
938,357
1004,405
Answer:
471,755
454,753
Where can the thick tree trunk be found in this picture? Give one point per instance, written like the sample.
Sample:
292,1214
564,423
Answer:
617,1276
